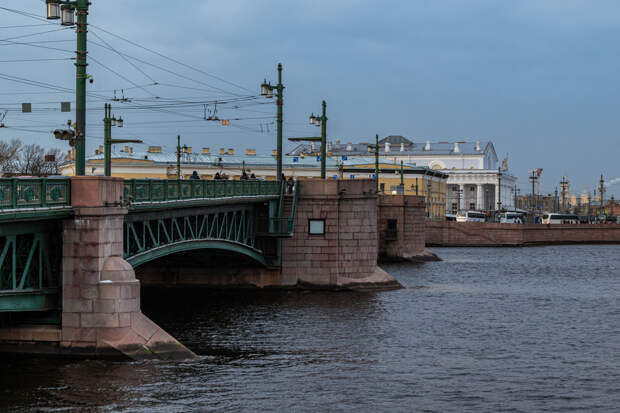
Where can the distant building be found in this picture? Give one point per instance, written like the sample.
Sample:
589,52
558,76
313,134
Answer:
476,178
156,164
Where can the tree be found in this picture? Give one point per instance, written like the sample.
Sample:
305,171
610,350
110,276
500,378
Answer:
9,152
35,161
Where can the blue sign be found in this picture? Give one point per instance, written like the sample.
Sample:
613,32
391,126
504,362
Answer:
344,157
335,176
295,159
352,176
374,176
318,159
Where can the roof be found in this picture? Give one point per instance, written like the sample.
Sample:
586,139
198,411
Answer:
395,140
307,161
409,148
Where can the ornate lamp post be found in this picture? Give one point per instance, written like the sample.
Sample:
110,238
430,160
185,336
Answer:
322,122
108,122
267,90
66,10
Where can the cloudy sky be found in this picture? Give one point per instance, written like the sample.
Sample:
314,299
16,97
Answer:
537,77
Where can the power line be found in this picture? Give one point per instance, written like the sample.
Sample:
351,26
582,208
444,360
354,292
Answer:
123,57
35,60
174,60
121,76
33,34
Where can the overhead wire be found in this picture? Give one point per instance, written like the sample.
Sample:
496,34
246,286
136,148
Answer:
173,60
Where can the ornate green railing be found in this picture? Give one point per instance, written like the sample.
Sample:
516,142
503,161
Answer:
154,190
20,193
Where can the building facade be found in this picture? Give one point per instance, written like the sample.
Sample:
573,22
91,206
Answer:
476,178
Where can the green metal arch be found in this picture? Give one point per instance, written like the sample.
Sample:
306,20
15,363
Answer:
193,245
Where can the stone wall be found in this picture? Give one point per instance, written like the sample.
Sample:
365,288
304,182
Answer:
346,255
472,234
406,243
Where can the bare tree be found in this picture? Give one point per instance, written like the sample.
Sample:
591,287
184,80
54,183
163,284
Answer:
9,153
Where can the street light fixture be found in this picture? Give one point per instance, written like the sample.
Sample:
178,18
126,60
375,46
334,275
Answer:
108,122
53,9
68,14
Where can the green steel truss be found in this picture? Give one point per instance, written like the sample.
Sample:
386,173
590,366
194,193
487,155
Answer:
30,266
17,193
148,236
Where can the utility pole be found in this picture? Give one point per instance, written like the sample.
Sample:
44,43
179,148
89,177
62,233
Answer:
564,188
533,180
267,90
516,192
602,193
323,140
81,7
178,156
402,178
377,160
499,189
108,122
555,200
280,103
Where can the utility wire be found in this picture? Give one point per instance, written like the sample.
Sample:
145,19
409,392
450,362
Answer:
123,57
122,77
173,60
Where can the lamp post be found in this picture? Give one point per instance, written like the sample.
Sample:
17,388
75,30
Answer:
322,122
108,122
375,148
65,10
267,90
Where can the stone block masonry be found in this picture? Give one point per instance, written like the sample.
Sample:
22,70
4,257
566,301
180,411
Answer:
101,297
401,225
472,234
345,255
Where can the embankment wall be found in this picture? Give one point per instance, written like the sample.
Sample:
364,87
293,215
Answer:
474,234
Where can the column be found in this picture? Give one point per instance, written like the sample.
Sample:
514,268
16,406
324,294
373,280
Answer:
480,197
461,199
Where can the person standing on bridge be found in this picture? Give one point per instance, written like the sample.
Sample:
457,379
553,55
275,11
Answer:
194,175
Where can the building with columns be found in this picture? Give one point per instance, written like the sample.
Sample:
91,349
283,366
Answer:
477,180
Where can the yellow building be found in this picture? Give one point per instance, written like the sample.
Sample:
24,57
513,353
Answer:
414,180
156,164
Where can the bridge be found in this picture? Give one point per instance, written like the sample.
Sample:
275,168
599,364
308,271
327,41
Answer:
70,250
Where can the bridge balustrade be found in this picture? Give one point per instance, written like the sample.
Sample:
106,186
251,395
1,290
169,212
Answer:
21,193
152,190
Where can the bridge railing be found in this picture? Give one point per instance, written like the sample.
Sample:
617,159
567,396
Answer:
21,193
154,190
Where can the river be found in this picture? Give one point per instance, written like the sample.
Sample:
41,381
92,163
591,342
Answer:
485,330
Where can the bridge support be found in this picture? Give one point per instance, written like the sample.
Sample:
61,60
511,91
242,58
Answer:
100,294
402,224
344,256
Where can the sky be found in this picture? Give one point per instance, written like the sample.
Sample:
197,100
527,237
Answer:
539,78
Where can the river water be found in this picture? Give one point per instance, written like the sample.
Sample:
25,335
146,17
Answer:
485,330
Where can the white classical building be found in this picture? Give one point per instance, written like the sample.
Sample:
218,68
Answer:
477,180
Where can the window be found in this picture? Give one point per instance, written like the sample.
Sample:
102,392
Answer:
316,226
454,207
382,187
472,205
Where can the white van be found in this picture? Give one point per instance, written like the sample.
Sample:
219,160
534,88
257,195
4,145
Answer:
560,219
471,216
511,218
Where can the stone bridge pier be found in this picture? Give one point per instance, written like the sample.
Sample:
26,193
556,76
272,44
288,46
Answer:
100,294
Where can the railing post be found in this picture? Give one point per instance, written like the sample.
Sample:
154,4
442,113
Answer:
14,190
166,190
43,192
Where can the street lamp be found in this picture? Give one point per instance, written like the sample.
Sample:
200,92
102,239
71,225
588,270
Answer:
322,122
108,122
53,10
266,90
67,9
